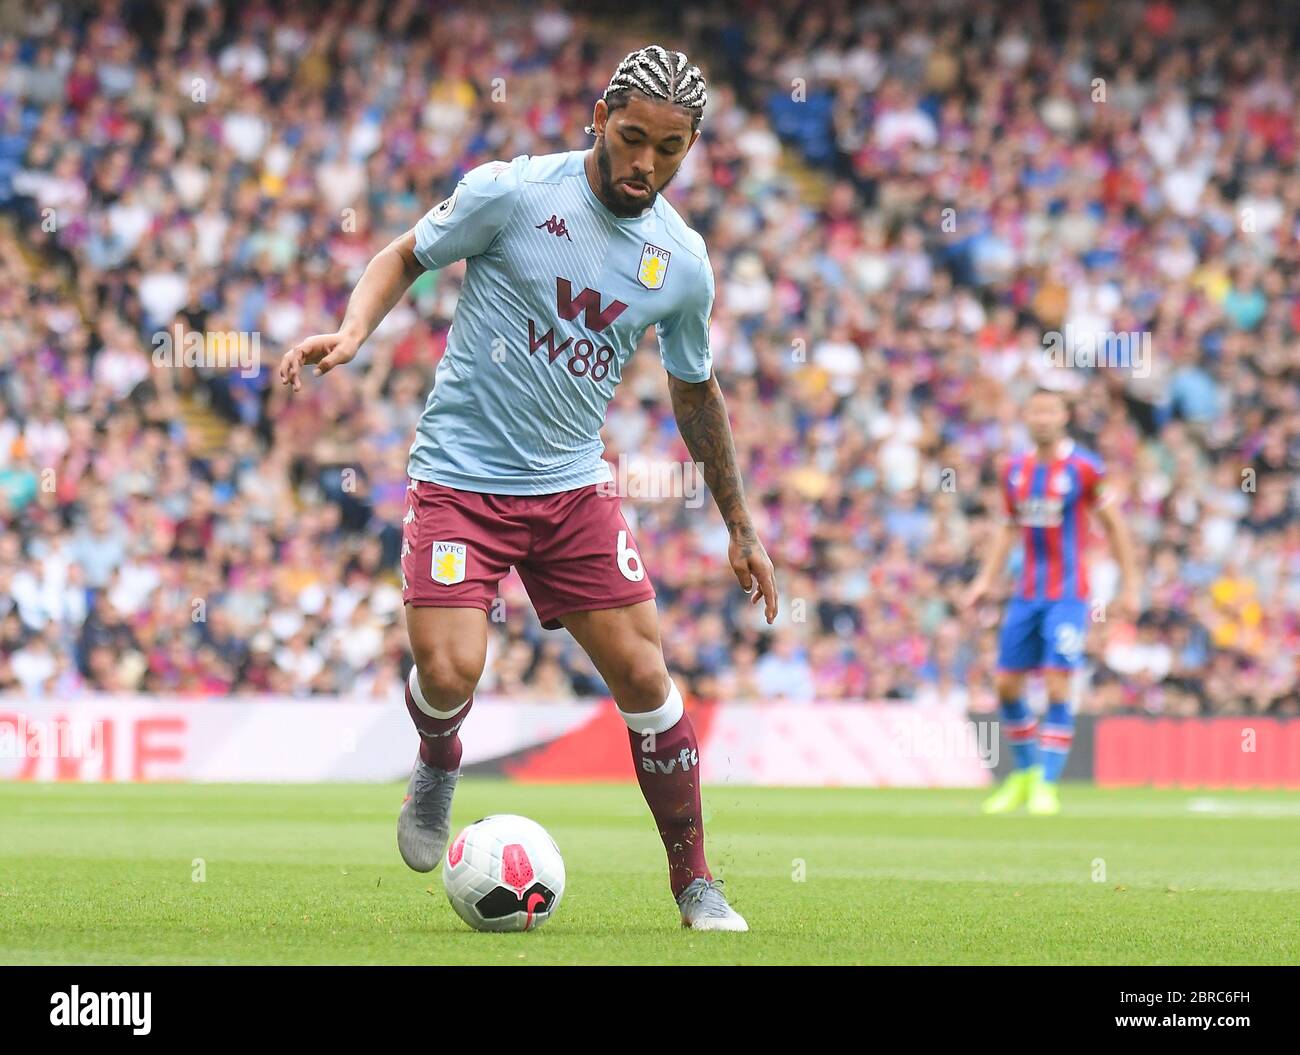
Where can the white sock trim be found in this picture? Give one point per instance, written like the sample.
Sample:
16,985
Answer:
417,694
661,719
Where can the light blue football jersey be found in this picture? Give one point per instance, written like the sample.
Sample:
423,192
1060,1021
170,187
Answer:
557,295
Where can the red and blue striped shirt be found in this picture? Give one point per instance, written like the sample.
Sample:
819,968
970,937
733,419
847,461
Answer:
1050,501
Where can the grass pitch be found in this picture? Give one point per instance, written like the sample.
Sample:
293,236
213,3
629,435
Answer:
201,874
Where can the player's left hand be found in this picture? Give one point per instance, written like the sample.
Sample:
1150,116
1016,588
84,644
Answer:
753,568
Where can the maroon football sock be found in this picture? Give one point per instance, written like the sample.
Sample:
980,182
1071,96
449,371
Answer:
439,737
668,770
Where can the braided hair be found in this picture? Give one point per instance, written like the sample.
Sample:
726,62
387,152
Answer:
662,75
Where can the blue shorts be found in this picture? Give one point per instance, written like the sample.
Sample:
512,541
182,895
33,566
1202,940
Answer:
1042,635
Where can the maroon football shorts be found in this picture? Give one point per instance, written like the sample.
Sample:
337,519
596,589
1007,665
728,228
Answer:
574,551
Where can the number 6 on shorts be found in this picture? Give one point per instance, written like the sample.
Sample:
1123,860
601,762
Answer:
629,560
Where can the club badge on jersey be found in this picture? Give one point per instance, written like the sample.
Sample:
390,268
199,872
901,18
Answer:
654,266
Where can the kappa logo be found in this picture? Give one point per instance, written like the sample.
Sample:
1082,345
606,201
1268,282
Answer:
555,226
448,563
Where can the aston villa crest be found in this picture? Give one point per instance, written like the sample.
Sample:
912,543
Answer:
448,563
654,266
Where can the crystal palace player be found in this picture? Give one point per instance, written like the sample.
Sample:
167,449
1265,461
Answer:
570,258
1047,494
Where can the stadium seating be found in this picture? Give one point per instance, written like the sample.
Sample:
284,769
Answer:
891,244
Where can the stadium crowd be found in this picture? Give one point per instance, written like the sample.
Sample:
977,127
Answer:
900,204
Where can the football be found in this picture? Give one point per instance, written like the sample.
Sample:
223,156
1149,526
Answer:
504,873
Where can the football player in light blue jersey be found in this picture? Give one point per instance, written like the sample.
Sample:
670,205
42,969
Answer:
556,285
570,258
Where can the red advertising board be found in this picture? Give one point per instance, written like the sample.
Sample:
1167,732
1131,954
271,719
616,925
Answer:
1197,752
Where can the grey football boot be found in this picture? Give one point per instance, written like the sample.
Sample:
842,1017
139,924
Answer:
704,907
424,823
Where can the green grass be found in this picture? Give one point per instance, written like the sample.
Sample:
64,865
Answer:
294,874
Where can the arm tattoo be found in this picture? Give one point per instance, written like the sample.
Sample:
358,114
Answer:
701,416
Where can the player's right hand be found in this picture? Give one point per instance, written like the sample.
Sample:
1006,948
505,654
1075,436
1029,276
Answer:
326,350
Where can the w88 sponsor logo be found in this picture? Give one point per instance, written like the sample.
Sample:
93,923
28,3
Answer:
588,358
